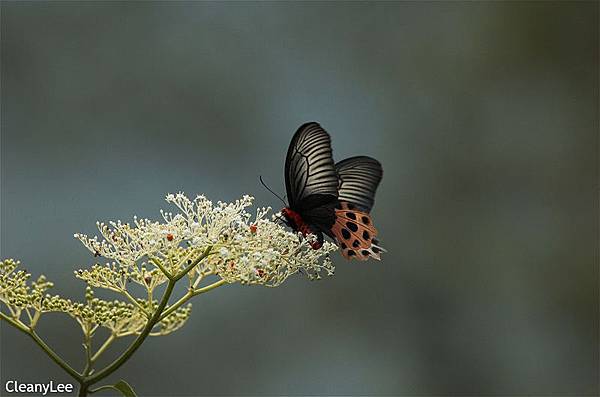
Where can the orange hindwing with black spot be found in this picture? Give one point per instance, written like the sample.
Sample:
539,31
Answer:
355,234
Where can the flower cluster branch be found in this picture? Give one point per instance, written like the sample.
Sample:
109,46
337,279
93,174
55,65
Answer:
207,244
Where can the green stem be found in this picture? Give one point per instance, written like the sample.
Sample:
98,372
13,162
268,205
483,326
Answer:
86,379
137,342
87,337
125,293
36,317
55,357
158,263
83,390
104,346
209,287
15,323
176,305
147,328
188,295
187,269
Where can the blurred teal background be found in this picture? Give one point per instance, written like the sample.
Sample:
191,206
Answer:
484,115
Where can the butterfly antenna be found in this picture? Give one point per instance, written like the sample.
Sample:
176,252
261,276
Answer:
269,189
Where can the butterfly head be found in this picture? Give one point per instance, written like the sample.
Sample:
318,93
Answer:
291,218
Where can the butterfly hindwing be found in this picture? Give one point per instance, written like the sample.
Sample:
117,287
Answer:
355,234
358,180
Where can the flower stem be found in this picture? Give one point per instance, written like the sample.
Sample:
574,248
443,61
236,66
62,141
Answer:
15,323
176,305
158,263
87,345
208,287
36,317
137,342
55,357
88,377
87,338
188,295
104,346
156,317
125,293
187,269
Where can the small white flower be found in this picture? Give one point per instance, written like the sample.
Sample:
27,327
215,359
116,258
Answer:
224,252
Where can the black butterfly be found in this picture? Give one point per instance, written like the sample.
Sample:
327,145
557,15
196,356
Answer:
328,198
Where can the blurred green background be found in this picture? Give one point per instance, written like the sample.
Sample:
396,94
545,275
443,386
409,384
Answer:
484,115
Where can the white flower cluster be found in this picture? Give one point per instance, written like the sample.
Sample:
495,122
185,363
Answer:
242,249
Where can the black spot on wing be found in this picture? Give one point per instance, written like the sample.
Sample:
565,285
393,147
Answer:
366,235
351,215
352,226
346,234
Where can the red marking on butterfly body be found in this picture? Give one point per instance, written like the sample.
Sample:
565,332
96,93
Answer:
298,224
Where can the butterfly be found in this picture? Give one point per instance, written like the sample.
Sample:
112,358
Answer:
333,199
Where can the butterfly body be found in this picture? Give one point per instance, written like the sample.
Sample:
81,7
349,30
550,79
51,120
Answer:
329,198
295,221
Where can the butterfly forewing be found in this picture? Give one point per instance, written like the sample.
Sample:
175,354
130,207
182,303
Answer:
310,174
358,180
